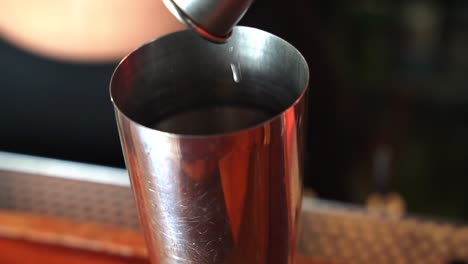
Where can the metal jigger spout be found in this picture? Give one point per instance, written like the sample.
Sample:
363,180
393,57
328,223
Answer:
212,19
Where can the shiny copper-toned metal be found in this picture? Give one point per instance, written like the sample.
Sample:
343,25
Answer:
212,137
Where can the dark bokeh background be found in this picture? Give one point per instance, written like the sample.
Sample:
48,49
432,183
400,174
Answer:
389,104
388,108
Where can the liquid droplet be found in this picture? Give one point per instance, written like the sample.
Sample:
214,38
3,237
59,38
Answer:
236,72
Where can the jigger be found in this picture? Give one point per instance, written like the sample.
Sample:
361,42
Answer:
212,19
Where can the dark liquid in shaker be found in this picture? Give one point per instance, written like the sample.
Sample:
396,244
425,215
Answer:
212,120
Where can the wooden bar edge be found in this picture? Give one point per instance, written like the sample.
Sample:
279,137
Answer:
84,236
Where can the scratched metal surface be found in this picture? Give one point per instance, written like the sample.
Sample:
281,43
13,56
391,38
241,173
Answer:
329,229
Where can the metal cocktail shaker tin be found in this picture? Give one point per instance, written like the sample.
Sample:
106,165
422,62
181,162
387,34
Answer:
212,136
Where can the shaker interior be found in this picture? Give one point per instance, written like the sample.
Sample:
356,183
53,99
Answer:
186,85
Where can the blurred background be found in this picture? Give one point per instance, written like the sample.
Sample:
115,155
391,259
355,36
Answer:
389,99
388,104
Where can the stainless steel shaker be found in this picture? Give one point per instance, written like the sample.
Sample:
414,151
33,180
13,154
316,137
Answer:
212,136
